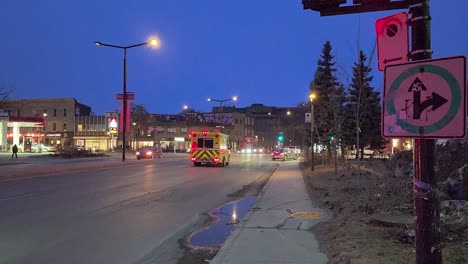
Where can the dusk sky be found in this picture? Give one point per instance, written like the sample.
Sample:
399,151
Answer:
261,51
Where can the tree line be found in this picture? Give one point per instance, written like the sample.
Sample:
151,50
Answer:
346,117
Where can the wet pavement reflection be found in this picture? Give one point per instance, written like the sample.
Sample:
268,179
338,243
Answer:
227,219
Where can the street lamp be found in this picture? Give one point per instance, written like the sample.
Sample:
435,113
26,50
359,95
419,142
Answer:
187,116
312,124
136,131
234,98
153,43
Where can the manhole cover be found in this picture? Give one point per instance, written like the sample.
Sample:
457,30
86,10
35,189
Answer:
307,215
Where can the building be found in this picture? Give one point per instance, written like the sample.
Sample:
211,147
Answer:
96,132
58,114
261,125
236,124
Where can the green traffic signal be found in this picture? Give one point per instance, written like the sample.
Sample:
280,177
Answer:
280,138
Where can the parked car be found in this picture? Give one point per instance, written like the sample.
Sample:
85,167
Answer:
78,148
34,147
47,148
284,154
148,153
295,149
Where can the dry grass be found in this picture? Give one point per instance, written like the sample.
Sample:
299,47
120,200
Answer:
354,194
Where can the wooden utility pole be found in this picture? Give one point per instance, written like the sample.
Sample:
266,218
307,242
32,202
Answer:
426,202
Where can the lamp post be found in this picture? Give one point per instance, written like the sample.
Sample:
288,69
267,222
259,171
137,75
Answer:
234,98
136,131
312,127
186,145
154,43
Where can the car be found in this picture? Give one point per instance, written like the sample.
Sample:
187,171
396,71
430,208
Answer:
295,149
44,148
283,153
78,148
148,153
258,150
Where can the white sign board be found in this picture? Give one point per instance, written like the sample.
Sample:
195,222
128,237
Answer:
392,40
425,99
308,117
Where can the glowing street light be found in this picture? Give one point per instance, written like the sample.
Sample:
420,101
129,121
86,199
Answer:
234,98
153,43
312,127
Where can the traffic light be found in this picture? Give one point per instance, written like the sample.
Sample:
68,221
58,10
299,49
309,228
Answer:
332,139
280,138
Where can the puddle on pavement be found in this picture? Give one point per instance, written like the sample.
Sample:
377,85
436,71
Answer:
227,219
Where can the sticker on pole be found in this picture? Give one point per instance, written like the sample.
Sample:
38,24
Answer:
425,99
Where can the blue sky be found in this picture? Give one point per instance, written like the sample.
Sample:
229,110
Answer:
261,51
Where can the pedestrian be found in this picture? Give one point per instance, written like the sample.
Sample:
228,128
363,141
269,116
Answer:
15,151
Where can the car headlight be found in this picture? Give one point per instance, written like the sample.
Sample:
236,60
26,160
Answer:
149,153
138,153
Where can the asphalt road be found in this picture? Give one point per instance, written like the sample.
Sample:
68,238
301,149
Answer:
124,214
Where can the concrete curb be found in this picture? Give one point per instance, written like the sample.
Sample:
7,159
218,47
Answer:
268,233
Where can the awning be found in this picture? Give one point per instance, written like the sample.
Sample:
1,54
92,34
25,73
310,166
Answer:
26,121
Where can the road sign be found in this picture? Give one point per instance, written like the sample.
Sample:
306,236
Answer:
425,99
308,117
130,96
392,40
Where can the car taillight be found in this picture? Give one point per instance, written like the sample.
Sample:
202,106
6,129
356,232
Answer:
216,159
193,159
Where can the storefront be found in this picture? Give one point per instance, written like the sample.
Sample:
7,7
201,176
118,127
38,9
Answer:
95,143
176,144
22,131
54,139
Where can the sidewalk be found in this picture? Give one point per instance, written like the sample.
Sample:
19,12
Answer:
270,233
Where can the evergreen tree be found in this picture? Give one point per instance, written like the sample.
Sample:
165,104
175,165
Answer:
364,103
328,95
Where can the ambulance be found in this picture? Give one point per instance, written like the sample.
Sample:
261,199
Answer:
209,148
